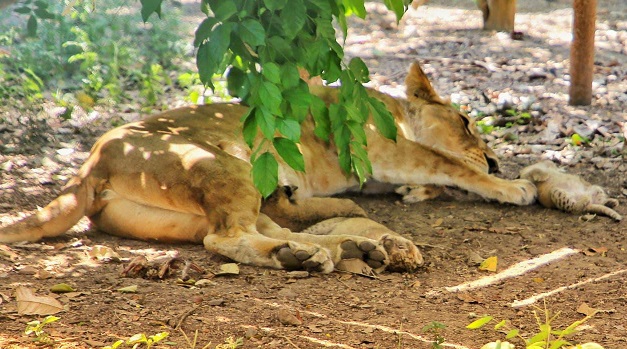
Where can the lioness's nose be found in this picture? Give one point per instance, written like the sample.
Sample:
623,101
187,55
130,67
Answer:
493,164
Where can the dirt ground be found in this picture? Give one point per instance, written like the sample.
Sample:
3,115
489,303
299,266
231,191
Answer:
454,232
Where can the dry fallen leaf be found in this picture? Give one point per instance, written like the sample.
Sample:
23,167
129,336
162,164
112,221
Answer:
228,269
438,222
7,253
61,288
128,289
103,253
585,309
489,264
355,266
30,304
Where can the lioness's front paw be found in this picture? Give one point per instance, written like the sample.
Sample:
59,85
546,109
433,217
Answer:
295,256
518,192
365,249
403,254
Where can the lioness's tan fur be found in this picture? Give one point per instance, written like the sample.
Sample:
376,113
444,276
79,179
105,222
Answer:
184,175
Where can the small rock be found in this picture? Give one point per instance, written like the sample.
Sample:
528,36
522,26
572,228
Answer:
204,283
27,270
297,274
288,293
216,302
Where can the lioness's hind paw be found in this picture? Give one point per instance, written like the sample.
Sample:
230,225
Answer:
403,254
366,250
294,256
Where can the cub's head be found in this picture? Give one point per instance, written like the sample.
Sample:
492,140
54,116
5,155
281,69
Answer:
435,123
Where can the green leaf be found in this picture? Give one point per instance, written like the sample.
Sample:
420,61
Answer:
341,137
560,343
479,323
50,319
204,30
149,7
41,4
290,153
249,130
383,119
500,324
265,174
293,18
159,336
320,114
271,72
334,68
266,121
270,95
357,131
211,53
289,75
353,112
398,6
61,288
298,100
138,338
237,82
31,26
359,69
540,337
512,333
223,10
23,10
355,7
44,14
360,162
274,5
252,32
289,128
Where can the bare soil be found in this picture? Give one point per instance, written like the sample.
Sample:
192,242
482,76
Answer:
455,232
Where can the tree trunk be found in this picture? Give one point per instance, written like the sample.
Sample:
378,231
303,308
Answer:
582,52
498,14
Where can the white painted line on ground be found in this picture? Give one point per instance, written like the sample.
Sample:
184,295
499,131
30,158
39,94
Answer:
539,296
515,270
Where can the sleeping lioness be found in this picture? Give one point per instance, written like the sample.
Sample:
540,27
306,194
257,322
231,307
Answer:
184,175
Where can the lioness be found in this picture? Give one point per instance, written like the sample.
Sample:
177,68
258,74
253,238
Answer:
184,175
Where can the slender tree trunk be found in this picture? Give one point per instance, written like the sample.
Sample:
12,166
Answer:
582,52
498,14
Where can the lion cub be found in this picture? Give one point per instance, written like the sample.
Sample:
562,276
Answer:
567,192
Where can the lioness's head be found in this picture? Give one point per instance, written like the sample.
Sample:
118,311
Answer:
434,122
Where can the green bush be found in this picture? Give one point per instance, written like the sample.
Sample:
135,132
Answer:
103,51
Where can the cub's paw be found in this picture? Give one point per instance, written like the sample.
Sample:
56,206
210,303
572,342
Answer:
403,254
365,249
297,256
611,203
518,192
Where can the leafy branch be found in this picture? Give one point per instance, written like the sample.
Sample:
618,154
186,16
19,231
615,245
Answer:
259,46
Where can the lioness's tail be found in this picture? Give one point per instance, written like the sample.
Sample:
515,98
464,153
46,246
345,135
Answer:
54,219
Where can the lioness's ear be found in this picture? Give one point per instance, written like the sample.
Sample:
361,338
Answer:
418,85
